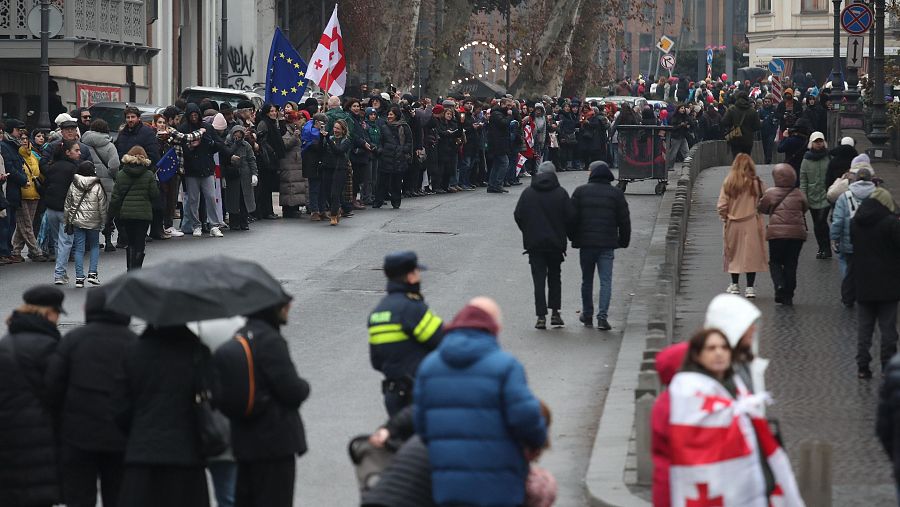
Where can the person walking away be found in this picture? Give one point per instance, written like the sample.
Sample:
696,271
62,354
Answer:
769,126
106,163
844,210
266,446
59,175
841,159
28,439
602,223
498,410
875,234
543,213
813,172
668,362
241,176
85,215
153,405
132,201
678,144
337,159
402,330
786,232
81,377
293,189
744,240
28,205
740,124
313,152
396,154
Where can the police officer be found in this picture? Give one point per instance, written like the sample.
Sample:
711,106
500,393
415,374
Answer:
402,330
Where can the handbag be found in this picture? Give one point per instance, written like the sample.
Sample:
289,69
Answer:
735,131
70,228
212,426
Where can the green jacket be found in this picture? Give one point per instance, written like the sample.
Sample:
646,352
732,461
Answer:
338,114
813,173
135,190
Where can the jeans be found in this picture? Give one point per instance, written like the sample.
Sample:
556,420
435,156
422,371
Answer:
602,258
820,228
451,171
546,272
783,257
498,171
51,229
224,479
885,313
511,175
315,187
92,237
465,169
63,243
675,147
213,211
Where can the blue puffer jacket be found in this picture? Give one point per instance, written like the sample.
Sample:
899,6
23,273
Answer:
475,411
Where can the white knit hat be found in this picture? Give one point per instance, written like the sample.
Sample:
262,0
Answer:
848,141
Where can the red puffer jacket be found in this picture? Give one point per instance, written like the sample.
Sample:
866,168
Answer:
668,362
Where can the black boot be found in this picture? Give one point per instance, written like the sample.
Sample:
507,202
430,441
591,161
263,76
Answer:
138,260
127,259
109,244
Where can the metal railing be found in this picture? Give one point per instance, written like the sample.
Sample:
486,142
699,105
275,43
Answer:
119,21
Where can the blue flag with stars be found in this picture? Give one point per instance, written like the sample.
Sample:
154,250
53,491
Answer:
167,166
286,75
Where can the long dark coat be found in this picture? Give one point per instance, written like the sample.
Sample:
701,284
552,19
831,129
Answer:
241,186
294,189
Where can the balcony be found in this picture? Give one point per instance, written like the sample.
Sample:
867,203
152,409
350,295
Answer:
94,32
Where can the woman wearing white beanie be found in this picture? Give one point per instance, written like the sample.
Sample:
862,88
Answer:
813,171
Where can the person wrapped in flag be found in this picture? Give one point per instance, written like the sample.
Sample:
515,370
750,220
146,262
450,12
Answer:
723,453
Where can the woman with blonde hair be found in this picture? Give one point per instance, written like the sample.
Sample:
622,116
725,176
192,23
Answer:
744,234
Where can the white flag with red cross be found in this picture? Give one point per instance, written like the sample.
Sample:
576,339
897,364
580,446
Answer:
715,460
327,66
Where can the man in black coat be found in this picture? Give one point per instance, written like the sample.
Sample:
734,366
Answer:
602,224
499,145
80,381
265,446
135,133
543,214
875,233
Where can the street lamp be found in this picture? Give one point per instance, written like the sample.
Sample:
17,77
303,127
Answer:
837,81
44,118
879,135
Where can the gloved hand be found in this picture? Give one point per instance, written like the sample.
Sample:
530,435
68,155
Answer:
254,180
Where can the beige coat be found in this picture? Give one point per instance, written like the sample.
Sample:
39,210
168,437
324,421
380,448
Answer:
744,233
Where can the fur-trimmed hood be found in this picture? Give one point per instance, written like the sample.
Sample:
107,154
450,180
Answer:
131,159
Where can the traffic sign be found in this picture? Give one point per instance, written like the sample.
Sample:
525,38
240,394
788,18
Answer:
855,51
856,19
776,66
709,56
667,62
665,44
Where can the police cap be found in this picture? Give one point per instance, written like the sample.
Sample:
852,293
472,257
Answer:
45,295
401,263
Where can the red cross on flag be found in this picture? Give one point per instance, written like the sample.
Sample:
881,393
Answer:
716,441
327,67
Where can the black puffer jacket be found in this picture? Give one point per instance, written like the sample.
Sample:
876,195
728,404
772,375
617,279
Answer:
28,471
198,160
58,176
449,134
543,214
875,233
153,401
82,376
396,155
141,135
888,422
278,431
498,132
602,219
840,162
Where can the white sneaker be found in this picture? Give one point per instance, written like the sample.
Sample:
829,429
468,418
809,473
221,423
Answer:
198,232
749,293
214,232
733,289
175,233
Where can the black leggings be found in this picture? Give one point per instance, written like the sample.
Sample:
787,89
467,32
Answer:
820,228
136,233
751,278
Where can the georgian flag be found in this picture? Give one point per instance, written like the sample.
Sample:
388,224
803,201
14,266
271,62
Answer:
714,448
327,66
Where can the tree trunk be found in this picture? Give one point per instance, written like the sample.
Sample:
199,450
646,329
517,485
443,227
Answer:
590,33
401,50
543,71
456,15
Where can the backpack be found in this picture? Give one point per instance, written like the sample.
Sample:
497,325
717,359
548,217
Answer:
236,391
852,202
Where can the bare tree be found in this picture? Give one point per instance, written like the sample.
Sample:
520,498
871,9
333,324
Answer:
543,71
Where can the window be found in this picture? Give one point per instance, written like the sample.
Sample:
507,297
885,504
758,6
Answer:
814,5
763,6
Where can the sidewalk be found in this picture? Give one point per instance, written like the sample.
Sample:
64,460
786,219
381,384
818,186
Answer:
812,346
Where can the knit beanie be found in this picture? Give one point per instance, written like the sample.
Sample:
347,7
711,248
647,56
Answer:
881,195
219,122
546,167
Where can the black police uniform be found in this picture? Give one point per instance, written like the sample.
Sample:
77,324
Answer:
402,331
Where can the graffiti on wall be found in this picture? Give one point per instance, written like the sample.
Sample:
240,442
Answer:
241,75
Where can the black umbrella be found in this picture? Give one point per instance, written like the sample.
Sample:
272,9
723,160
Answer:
171,294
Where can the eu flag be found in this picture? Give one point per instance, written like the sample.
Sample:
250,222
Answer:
286,75
167,166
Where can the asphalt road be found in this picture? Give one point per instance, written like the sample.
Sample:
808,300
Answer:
472,247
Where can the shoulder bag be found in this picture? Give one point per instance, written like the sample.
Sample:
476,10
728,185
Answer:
735,131
70,228
212,426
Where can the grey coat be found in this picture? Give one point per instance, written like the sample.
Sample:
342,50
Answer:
241,187
293,190
105,157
